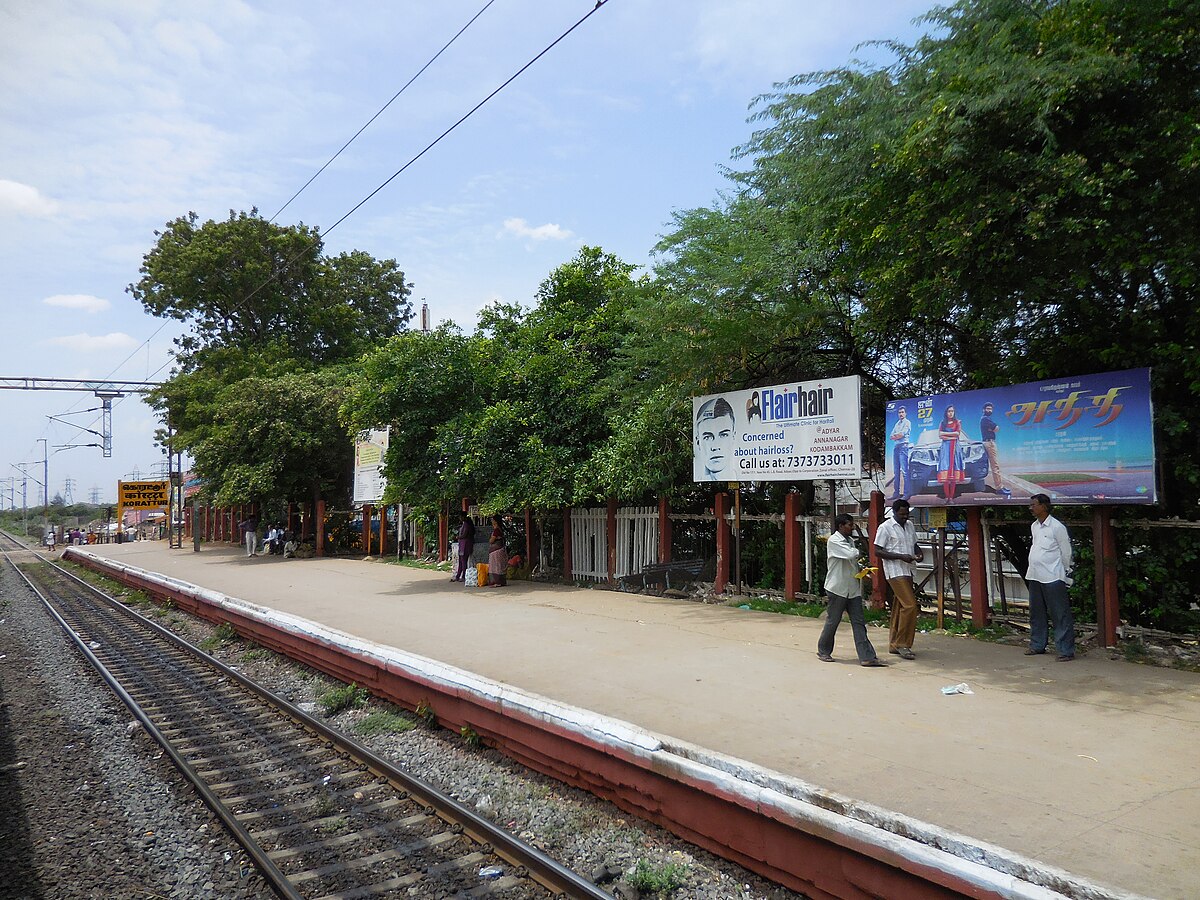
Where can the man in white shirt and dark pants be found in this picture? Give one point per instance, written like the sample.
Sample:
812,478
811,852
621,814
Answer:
844,591
1048,578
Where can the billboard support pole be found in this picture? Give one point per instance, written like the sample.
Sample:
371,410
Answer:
977,554
1108,605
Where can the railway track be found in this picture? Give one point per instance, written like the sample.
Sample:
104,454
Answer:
320,815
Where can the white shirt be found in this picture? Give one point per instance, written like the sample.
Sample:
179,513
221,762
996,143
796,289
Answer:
842,566
1050,554
895,538
902,431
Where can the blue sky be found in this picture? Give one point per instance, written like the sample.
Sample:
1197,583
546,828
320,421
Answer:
120,115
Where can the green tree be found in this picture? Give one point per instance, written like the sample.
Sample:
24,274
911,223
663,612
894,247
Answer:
1014,197
246,283
261,371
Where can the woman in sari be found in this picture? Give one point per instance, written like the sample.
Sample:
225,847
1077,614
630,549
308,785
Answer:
950,455
497,555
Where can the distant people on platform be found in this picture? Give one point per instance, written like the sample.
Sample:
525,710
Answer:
1048,577
51,539
951,472
987,433
466,546
715,431
902,437
844,592
896,546
273,541
497,555
753,407
249,530
290,545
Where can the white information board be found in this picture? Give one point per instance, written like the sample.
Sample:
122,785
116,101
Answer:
369,482
788,432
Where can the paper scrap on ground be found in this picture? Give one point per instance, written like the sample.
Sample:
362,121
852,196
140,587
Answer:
962,688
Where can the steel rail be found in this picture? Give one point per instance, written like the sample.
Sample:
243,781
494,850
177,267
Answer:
540,867
278,881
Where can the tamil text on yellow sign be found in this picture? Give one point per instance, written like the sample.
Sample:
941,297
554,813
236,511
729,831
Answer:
143,494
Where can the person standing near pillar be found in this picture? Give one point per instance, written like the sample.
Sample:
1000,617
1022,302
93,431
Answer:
896,546
466,546
1048,577
249,528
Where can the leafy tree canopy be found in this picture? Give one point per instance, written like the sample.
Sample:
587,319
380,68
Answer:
246,283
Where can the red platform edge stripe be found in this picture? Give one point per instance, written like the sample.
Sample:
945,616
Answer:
806,839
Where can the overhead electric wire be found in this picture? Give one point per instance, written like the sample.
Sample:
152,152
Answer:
420,71
407,165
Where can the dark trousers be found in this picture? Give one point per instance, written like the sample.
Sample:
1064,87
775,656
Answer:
464,559
858,623
1052,599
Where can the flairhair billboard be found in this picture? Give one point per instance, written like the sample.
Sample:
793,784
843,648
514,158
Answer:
1083,440
787,432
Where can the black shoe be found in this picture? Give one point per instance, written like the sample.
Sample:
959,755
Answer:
1032,652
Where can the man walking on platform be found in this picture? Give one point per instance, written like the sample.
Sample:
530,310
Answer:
896,546
249,527
1048,579
844,591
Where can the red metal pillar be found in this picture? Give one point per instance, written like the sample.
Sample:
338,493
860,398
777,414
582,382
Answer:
529,538
1108,601
366,528
665,535
724,541
874,520
444,533
793,547
466,504
612,540
320,526
567,561
977,553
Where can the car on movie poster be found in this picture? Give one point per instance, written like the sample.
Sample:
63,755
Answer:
1083,440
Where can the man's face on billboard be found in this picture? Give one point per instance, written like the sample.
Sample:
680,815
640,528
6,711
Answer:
716,443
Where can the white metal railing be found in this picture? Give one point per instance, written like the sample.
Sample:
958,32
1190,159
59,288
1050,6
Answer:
589,544
637,539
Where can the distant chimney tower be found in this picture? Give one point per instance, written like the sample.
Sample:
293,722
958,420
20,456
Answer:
425,318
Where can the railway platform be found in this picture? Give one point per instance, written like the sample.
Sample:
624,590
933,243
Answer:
1087,766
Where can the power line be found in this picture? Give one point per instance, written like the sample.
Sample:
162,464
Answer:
431,61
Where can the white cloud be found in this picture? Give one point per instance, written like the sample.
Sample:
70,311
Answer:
547,232
24,200
85,302
99,343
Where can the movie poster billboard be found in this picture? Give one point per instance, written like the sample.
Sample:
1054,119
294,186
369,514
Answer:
1082,440
787,432
369,482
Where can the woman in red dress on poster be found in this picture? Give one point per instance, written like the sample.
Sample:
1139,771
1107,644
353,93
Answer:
950,455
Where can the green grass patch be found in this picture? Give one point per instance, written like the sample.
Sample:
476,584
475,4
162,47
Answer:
658,878
225,634
383,722
348,696
807,608
420,564
256,654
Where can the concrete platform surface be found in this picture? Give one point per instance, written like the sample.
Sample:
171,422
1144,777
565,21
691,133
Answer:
1090,765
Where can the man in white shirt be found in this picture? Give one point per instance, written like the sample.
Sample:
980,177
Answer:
896,546
844,592
1048,578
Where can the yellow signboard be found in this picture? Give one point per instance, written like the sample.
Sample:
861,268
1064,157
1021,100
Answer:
143,494
937,517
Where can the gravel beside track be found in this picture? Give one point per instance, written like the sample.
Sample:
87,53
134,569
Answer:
91,808
584,833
